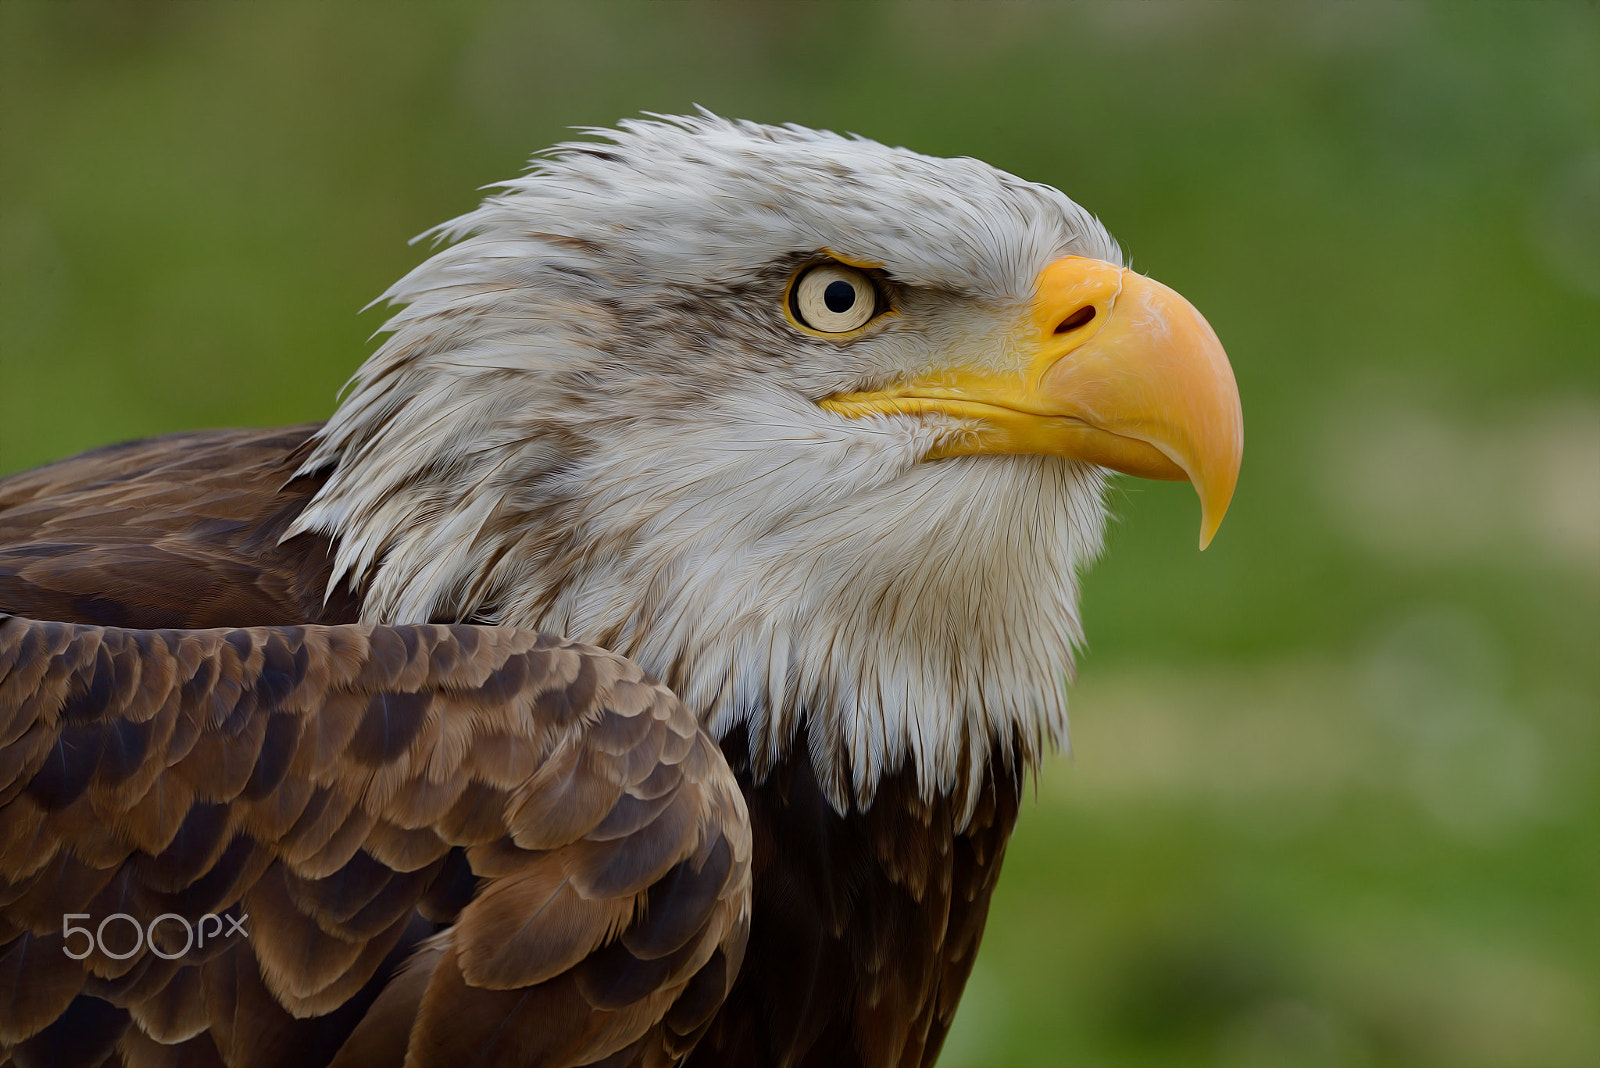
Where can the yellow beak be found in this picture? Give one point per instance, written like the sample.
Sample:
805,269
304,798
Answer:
1115,369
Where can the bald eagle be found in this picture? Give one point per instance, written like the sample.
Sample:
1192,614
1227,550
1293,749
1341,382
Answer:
641,666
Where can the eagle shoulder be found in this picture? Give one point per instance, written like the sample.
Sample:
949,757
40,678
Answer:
176,531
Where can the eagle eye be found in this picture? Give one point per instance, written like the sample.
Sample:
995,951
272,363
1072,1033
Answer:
831,298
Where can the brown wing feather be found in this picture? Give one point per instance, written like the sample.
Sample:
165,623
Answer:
579,836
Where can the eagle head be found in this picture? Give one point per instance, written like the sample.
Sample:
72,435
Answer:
814,429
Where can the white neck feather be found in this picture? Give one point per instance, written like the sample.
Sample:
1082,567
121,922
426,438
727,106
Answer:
822,584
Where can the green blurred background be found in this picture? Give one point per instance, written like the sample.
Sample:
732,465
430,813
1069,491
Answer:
1334,796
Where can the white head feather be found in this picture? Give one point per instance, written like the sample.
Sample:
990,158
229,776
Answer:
593,417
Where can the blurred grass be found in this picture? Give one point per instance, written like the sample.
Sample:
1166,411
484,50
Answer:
1334,798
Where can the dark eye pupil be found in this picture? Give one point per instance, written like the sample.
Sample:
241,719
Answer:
839,296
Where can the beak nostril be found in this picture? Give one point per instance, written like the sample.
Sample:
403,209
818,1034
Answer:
1076,319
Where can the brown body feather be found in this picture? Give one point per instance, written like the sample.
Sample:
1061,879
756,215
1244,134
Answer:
455,845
